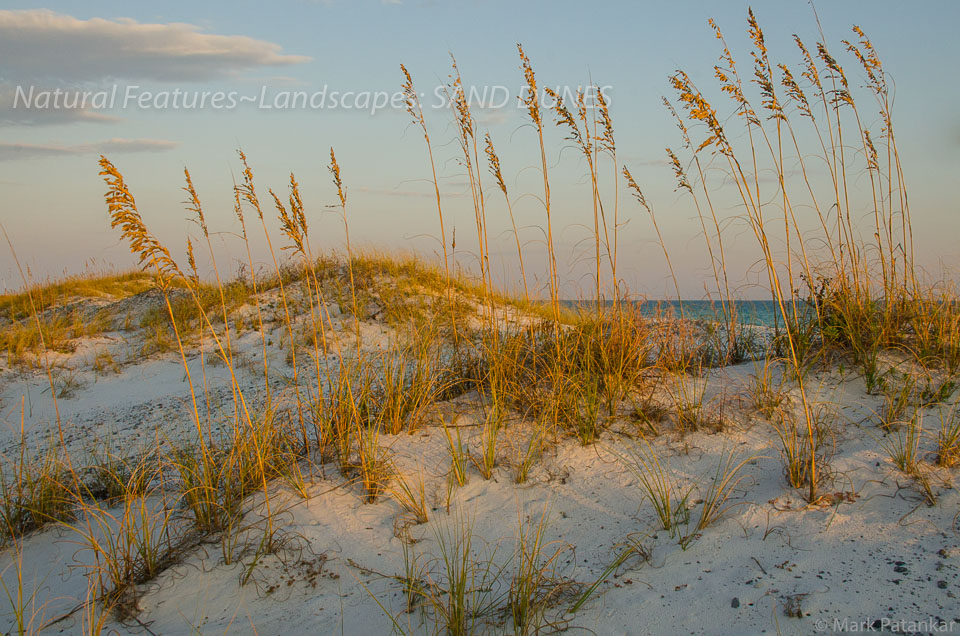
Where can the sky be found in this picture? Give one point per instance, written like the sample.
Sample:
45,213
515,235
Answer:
51,198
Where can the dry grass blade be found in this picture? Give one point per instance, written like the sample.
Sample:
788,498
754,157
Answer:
658,484
715,500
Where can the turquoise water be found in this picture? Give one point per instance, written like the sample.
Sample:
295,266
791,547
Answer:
749,312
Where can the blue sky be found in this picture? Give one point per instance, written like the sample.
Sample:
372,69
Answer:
52,198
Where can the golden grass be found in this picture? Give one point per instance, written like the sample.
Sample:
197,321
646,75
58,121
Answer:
98,285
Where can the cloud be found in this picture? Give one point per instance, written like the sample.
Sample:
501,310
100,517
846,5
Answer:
44,45
396,192
274,80
638,160
17,152
495,116
23,116
332,2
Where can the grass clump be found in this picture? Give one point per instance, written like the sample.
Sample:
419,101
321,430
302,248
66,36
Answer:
948,438
715,499
766,389
659,486
36,490
132,543
535,585
899,401
459,594
110,476
903,444
803,449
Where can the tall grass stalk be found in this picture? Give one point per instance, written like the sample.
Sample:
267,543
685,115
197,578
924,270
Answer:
415,110
248,191
531,99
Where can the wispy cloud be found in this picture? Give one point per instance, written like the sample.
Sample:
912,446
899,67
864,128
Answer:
495,116
396,192
17,152
10,116
645,160
39,45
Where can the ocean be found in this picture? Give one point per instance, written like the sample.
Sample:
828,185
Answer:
762,313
